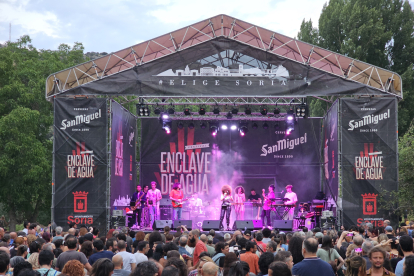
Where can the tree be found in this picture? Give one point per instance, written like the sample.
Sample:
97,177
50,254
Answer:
25,126
379,32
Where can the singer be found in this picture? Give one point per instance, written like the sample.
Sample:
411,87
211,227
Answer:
267,205
226,200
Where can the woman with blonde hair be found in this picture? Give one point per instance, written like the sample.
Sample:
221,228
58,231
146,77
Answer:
226,200
355,266
199,265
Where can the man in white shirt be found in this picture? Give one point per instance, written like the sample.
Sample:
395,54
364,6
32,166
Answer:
143,247
153,200
129,260
26,226
292,201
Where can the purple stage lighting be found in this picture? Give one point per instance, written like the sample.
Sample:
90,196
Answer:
165,116
289,118
233,127
242,133
224,127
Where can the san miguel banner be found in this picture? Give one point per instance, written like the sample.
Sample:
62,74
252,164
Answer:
330,150
123,148
80,127
369,157
203,163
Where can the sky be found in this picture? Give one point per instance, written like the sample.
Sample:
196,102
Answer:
109,26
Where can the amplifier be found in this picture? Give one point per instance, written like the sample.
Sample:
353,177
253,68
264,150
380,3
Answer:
117,222
165,212
328,223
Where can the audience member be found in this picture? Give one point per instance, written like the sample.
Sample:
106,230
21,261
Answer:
327,253
284,257
295,247
239,268
209,269
279,269
100,252
170,271
71,254
366,247
118,266
147,268
409,266
46,258
311,264
377,257
128,258
4,262
140,255
250,257
406,244
102,267
264,261
199,245
74,268
176,262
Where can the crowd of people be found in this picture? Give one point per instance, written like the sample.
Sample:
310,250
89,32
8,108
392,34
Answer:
357,251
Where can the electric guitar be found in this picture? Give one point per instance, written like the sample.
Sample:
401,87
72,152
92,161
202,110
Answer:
179,202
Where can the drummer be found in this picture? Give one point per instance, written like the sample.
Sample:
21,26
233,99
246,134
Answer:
196,203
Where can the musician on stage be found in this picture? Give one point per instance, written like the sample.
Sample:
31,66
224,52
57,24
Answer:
226,200
176,195
153,202
292,201
267,205
257,201
239,199
140,198
196,203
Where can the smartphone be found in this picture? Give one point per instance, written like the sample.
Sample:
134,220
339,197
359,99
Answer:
350,234
358,250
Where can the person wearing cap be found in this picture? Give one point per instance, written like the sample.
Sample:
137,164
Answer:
292,201
388,231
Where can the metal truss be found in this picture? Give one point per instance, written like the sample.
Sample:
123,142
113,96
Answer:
216,101
209,116
234,29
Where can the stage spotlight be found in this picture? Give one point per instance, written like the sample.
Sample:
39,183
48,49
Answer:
180,125
265,125
243,129
203,125
290,121
216,110
233,127
276,111
277,126
157,110
302,110
248,110
223,127
229,115
187,111
234,110
165,116
191,125
171,110
263,110
214,128
166,126
202,111
142,110
254,126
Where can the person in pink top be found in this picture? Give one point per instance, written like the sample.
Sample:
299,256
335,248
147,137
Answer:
193,237
239,199
267,202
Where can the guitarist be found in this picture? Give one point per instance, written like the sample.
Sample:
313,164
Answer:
139,197
226,200
176,195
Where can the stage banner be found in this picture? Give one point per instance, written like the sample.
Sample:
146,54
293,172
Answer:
369,157
203,163
80,139
330,150
123,153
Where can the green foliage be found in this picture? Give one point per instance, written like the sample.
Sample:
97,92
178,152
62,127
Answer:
25,127
379,32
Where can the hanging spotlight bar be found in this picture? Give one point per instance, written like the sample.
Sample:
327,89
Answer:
234,110
216,110
243,129
214,128
302,110
290,121
143,110
187,111
202,110
171,110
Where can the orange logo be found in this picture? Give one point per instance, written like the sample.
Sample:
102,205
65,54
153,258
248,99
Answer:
80,201
369,203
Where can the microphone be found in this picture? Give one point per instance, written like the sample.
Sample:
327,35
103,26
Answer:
282,191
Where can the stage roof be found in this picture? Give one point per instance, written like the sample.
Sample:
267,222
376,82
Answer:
236,53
